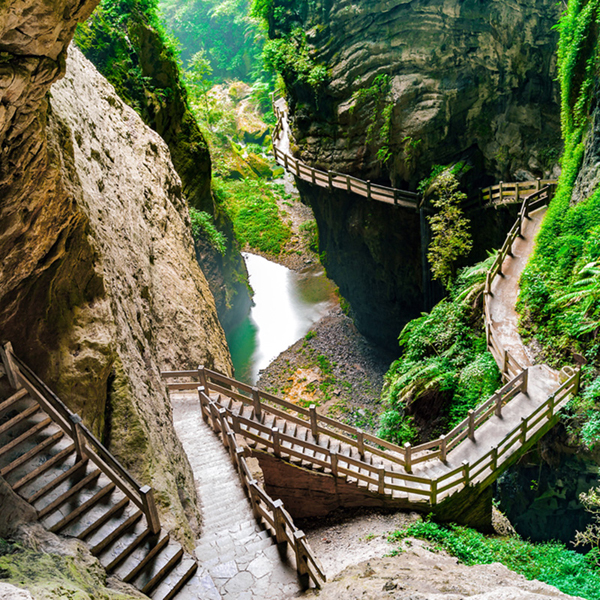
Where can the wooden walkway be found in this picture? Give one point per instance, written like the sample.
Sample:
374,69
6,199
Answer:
497,195
474,453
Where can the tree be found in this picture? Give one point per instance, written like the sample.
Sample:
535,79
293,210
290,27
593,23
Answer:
451,236
196,77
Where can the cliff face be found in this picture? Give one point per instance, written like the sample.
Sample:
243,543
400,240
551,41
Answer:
411,84
125,43
99,286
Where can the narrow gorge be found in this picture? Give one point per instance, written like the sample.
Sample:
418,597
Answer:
406,405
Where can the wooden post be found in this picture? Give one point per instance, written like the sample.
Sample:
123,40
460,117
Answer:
251,485
538,184
256,400
525,382
408,457
505,363
285,161
222,413
232,445
360,443
465,467
204,402
150,509
76,435
276,442
434,492
334,463
314,423
369,197
381,475
9,366
523,430
301,563
494,464
443,448
239,455
202,377
577,382
501,191
395,197
471,425
551,402
330,177
279,524
499,405
487,334
313,176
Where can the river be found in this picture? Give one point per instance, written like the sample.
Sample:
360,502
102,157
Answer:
286,305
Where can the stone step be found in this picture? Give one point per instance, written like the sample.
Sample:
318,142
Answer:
52,506
83,507
112,512
148,550
158,568
113,529
74,471
24,436
21,456
118,551
53,462
176,580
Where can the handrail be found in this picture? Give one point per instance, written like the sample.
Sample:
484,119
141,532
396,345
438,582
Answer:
272,512
500,193
333,180
86,444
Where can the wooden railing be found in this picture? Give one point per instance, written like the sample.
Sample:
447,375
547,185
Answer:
333,180
508,364
514,192
386,478
272,512
86,444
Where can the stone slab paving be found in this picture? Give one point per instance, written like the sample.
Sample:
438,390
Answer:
238,560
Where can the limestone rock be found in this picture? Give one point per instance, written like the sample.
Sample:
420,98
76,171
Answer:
11,592
99,287
418,574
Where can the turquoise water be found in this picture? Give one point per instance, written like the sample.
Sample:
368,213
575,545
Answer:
286,305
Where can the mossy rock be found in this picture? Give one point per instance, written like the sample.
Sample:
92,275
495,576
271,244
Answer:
259,165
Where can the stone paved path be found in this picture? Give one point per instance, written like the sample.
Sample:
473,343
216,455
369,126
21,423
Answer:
238,560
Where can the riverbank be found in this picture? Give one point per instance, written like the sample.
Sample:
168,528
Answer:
334,367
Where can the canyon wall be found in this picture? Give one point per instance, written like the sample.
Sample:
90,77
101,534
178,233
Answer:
411,84
99,285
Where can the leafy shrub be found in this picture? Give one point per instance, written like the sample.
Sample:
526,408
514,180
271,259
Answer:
570,572
443,351
311,231
203,227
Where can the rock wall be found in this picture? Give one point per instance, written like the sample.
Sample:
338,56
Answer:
469,80
99,286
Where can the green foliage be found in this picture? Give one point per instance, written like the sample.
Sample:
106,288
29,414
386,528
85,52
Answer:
310,230
256,217
560,286
378,99
451,238
222,30
570,572
290,57
203,228
443,352
110,39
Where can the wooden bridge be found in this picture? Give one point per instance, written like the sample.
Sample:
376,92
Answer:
79,489
503,193
427,477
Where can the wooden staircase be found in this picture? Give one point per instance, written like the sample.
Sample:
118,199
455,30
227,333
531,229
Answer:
79,492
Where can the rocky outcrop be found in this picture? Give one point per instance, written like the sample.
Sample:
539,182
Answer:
99,286
151,83
418,573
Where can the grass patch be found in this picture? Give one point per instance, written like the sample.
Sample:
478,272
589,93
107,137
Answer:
257,220
551,562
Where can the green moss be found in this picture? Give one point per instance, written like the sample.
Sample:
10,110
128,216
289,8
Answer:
53,576
125,435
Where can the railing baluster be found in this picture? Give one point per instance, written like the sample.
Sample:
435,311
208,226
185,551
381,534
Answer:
314,423
408,457
150,510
